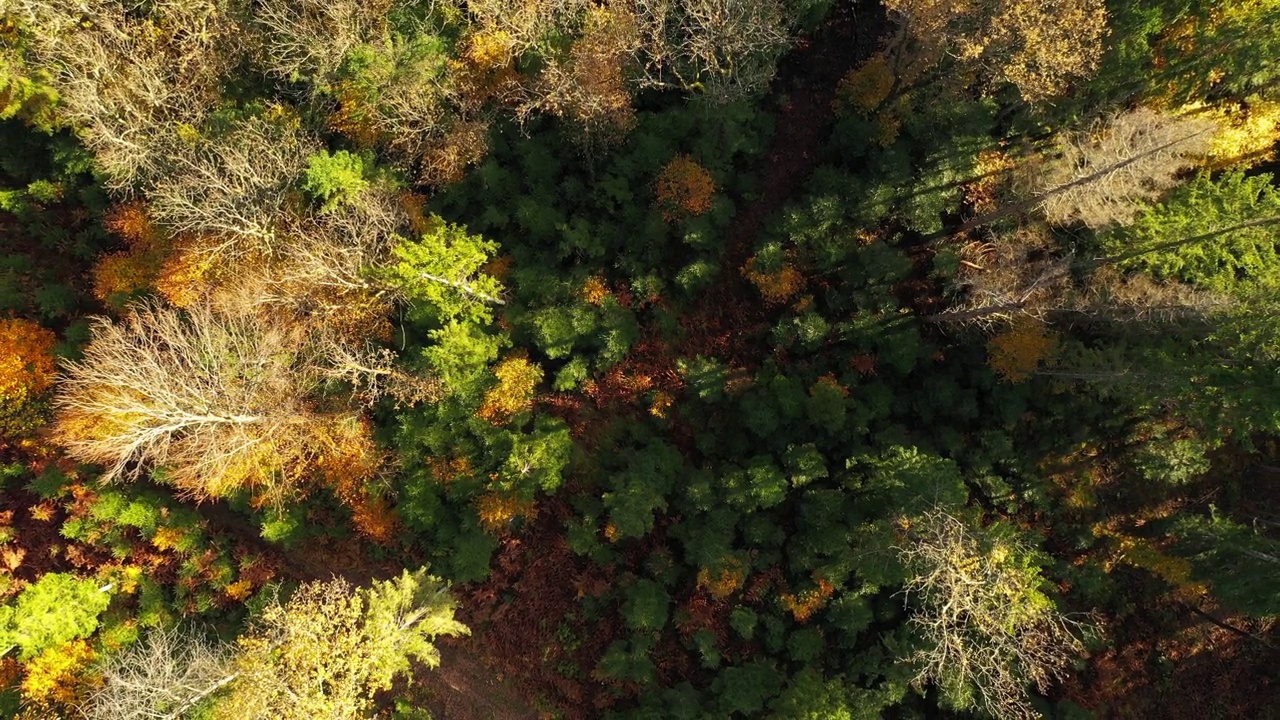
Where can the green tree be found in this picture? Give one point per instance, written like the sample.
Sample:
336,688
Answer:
57,609
1225,262
443,269
1240,563
330,647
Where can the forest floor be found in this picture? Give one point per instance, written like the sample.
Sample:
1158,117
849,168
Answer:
1166,662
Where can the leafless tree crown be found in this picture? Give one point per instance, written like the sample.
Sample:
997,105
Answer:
988,629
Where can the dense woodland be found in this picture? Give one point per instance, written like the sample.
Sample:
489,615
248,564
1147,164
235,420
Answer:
639,359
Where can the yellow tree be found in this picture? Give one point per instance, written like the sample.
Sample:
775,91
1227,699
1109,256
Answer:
518,380
1016,352
325,652
1039,46
26,372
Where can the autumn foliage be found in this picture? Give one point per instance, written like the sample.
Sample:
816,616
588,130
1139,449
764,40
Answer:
497,510
26,360
27,370
777,286
1018,351
684,189
518,379
57,676
725,579
865,87
804,604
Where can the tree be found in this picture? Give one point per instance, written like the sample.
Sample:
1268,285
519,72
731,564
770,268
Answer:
56,677
221,402
1019,274
591,83
310,39
126,80
1239,562
1016,352
1217,50
1106,175
233,188
166,674
988,628
1223,262
1040,46
517,383
684,189
443,267
396,88
728,49
26,373
330,647
57,609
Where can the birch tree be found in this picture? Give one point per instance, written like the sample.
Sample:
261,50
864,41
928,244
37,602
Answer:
989,630
219,402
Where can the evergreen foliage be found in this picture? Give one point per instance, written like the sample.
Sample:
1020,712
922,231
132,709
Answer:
733,359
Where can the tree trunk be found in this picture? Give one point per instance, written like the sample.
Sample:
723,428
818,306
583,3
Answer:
1031,202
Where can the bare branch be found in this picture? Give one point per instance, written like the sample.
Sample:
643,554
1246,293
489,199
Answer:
989,630
162,677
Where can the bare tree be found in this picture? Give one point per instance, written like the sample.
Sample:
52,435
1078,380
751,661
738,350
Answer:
236,187
727,48
592,86
1106,175
164,676
989,629
406,101
123,85
520,26
219,401
303,38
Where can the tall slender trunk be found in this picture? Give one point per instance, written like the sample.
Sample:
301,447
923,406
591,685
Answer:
1021,206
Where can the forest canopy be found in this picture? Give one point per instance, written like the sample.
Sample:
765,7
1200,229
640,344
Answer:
630,359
